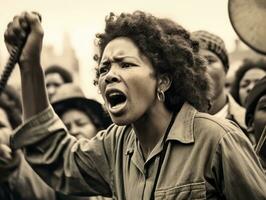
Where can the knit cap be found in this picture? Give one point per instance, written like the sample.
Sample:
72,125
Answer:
213,43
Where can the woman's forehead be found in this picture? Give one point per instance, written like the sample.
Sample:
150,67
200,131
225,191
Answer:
121,47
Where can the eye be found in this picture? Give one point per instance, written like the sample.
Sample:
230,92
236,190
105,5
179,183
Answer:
82,123
244,84
126,64
104,68
211,59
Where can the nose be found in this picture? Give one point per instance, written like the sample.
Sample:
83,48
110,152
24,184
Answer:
112,76
74,130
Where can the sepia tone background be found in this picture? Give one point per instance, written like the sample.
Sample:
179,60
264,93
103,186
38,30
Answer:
70,27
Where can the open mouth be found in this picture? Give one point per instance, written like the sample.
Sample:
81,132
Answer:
116,98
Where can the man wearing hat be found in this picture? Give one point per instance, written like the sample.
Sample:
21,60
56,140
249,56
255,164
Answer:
223,105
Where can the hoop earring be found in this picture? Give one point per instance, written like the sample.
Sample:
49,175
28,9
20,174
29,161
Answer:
160,95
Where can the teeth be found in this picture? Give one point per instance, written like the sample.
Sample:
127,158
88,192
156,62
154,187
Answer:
114,94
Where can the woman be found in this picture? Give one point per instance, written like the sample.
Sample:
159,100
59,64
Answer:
160,147
83,117
246,77
256,114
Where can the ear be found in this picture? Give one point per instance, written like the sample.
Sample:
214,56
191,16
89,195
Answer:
164,82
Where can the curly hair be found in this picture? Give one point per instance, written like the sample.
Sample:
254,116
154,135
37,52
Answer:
10,102
171,51
246,66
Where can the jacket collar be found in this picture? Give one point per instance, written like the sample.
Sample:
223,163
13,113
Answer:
183,127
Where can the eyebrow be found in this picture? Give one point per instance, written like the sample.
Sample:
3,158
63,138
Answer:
119,59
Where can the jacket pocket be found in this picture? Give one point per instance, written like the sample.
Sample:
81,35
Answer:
195,191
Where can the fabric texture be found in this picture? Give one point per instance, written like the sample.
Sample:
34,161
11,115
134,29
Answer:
206,158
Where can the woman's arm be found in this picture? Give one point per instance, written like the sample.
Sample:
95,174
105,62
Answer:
27,26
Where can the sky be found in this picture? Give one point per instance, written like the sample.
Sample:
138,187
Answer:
83,18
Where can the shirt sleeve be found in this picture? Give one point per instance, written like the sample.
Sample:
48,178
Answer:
68,165
238,171
24,183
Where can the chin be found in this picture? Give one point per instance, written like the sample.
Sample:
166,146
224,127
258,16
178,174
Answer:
121,121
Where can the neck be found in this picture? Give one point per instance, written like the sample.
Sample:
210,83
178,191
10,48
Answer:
151,127
218,103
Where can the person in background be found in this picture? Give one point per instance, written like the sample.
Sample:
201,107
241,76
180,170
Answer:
161,146
83,118
17,179
223,105
55,76
245,78
256,112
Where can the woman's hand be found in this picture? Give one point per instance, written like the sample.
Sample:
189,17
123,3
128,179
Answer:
25,28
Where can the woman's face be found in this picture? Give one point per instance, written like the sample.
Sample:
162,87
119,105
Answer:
260,117
78,124
53,82
247,83
127,81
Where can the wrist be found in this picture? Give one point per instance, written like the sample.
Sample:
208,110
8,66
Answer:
28,66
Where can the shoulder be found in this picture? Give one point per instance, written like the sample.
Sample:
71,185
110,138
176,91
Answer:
115,136
214,128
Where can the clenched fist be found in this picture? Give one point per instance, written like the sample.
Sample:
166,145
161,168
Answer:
25,30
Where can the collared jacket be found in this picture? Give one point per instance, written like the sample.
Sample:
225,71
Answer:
18,181
206,158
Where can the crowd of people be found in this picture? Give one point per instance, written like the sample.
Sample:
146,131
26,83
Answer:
168,129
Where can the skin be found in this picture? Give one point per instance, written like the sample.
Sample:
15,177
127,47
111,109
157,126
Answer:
78,124
259,122
144,121
124,68
216,71
53,81
248,81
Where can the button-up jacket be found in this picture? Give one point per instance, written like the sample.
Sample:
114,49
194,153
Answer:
206,158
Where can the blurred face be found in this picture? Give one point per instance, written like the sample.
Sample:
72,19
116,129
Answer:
79,124
248,81
53,81
260,117
127,81
216,71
